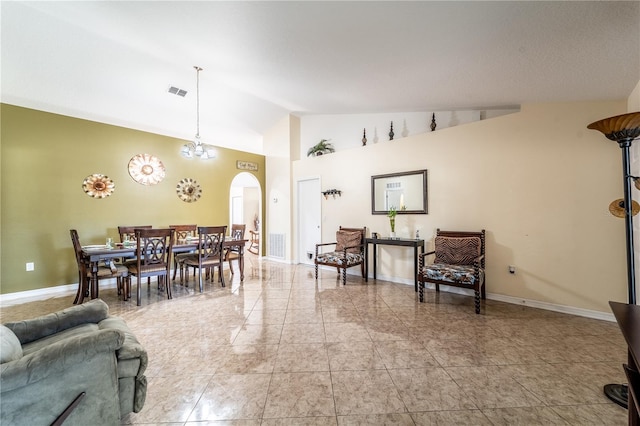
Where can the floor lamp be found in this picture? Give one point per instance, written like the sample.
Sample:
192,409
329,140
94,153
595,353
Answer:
623,129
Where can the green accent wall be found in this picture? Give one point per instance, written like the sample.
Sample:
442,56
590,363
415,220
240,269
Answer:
45,158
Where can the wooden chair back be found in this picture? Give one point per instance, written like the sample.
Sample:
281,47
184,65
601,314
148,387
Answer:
211,239
154,250
184,231
130,231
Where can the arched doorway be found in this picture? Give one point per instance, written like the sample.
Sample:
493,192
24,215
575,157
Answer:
245,203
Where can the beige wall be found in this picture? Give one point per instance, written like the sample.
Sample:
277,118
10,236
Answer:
281,143
45,158
538,181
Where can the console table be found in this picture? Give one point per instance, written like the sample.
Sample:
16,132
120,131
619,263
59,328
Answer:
416,244
628,318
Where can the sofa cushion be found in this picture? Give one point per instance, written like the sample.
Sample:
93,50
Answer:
79,330
10,347
348,239
27,331
457,250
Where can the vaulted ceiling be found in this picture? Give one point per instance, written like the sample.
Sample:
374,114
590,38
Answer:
114,61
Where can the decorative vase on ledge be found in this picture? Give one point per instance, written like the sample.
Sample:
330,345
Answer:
392,221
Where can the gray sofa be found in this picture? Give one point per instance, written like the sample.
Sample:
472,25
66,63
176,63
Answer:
48,362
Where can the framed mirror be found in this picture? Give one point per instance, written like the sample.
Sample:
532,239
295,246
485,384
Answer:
406,191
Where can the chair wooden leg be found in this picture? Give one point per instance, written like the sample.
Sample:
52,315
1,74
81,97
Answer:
167,285
344,276
138,291
221,275
421,291
230,267
316,271
477,301
200,278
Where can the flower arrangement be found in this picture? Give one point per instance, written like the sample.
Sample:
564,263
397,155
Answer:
392,218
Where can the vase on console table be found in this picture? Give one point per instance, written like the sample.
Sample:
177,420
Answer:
392,235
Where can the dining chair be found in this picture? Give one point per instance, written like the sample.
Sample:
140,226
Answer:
183,232
233,253
129,232
254,246
119,272
153,259
209,254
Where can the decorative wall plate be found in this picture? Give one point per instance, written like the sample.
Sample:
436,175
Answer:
188,190
146,169
98,186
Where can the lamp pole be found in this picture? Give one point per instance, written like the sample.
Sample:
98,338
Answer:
623,129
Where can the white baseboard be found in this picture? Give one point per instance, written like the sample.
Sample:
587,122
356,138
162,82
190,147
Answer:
587,313
69,289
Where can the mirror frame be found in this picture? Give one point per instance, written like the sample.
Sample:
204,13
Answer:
422,173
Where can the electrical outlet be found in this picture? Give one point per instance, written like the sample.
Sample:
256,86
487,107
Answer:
30,266
512,269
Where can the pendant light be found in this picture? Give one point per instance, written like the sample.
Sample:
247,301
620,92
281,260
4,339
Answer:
197,148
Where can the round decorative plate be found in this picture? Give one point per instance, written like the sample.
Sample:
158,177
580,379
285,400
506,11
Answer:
189,190
98,186
146,169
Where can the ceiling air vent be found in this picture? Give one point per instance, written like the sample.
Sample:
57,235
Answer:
176,91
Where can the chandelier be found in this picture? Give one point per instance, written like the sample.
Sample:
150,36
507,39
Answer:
197,148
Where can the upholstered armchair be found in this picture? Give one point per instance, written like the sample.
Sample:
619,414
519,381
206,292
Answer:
459,262
348,251
79,366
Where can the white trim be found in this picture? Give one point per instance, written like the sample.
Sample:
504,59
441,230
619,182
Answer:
45,293
587,313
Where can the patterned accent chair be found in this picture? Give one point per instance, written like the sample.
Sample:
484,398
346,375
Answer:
348,251
459,262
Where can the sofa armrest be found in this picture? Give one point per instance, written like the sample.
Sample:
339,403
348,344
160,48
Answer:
30,330
58,357
131,347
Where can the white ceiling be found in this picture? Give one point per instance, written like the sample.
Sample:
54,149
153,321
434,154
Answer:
114,61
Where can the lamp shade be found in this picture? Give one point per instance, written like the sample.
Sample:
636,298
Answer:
619,127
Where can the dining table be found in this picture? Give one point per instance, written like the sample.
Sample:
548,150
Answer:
93,255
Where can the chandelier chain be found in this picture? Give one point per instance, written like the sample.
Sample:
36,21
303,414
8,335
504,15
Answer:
198,69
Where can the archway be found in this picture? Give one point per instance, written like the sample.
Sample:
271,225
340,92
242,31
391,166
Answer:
245,203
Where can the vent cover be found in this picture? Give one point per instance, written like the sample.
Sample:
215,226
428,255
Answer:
276,245
177,91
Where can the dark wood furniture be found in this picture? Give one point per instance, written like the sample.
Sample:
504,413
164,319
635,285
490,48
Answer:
628,318
254,247
94,256
130,231
210,253
87,276
459,262
416,244
183,233
348,252
153,259
233,252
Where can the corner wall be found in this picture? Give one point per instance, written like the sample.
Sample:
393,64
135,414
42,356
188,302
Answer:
538,181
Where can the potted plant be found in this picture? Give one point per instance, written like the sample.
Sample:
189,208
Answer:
392,220
321,148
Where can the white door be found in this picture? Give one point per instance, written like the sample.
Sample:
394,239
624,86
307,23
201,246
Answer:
309,217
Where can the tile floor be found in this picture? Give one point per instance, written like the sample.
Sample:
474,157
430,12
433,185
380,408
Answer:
283,349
